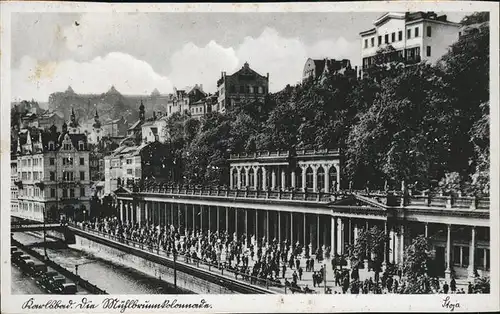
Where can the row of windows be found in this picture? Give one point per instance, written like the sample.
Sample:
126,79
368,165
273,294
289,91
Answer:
248,89
391,38
37,161
411,54
31,207
31,192
197,110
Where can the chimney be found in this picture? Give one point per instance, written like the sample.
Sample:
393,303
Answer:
201,87
268,76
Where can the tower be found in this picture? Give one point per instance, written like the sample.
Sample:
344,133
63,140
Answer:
141,112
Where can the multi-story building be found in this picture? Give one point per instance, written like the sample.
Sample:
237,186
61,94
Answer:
411,37
130,164
53,174
13,182
115,128
318,69
243,86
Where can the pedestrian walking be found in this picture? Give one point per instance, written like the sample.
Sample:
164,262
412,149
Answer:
300,273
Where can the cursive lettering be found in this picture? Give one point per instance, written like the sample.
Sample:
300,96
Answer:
449,304
48,305
133,304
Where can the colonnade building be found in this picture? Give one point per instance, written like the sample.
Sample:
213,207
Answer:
457,226
305,170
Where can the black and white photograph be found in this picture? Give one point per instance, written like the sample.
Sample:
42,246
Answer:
175,156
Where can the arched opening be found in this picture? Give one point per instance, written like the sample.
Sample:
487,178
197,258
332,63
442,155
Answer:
242,176
298,178
333,178
259,178
251,178
309,178
235,179
320,176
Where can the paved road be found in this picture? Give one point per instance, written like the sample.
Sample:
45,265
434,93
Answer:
21,284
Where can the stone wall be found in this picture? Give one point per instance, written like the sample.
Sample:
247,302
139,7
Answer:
185,282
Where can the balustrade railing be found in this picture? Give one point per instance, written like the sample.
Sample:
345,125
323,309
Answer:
216,267
389,198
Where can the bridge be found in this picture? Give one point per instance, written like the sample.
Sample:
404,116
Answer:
16,227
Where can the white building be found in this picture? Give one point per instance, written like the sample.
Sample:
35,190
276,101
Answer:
52,174
418,36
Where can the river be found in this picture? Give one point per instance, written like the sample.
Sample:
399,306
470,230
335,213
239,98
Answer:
107,275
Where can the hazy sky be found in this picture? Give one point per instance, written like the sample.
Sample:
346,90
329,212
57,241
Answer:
142,51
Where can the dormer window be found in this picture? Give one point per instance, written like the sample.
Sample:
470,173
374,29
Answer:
81,145
51,145
67,146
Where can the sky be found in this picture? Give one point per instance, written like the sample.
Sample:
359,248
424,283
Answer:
138,52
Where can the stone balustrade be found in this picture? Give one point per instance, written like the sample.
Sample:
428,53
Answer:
388,198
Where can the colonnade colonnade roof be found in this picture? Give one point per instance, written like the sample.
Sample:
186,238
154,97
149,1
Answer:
373,199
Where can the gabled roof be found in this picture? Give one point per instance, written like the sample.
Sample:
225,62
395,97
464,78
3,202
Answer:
136,125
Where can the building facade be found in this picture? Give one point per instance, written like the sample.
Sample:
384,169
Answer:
53,174
411,37
304,170
317,69
243,86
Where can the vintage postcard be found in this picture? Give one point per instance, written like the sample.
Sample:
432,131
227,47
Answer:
225,158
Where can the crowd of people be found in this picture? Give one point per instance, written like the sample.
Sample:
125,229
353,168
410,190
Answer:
258,261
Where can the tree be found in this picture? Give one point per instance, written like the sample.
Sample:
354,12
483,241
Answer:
369,245
482,285
417,257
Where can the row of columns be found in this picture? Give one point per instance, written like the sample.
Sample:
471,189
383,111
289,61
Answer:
313,230
239,184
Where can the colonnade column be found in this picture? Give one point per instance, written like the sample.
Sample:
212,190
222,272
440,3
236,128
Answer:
227,219
337,167
333,245
291,228
292,179
255,177
386,247
402,244
246,226
231,181
279,227
264,178
392,245
267,226
447,272
315,177
247,175
273,179
318,233
121,211
238,170
426,229
340,236
304,168
472,251
218,218
283,180
304,228
146,214
327,178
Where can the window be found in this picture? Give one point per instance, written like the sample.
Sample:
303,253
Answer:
242,89
52,161
393,37
65,193
35,175
416,32
81,145
379,40
129,171
386,38
82,161
52,176
366,43
129,161
71,192
67,161
67,146
428,51
51,145
29,162
372,41
52,192
400,35
68,176
82,191
408,35
82,175
429,31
